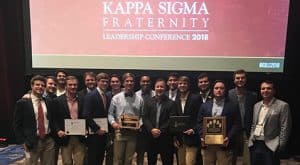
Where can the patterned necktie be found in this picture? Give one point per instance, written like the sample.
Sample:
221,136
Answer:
41,124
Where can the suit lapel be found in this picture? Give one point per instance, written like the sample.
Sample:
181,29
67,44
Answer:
66,107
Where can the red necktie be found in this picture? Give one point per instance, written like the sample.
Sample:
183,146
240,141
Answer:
41,124
104,100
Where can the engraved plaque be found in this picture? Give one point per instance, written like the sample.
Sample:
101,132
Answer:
129,121
214,130
178,124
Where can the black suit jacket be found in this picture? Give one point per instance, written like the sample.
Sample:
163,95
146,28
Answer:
62,112
25,123
94,108
191,109
150,111
250,100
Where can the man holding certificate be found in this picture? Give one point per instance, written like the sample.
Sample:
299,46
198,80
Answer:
70,124
125,116
214,117
96,105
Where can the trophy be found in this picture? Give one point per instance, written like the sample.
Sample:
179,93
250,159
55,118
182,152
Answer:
129,121
214,130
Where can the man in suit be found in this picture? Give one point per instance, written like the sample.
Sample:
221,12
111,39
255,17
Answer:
270,127
172,83
204,87
69,106
61,81
33,125
157,111
219,106
187,104
50,90
89,82
96,105
246,100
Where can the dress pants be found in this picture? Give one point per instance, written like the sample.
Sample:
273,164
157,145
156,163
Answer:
44,150
261,154
96,149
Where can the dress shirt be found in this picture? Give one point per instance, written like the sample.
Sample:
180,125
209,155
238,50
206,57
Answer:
35,101
125,105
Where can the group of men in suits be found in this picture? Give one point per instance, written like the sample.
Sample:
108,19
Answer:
266,124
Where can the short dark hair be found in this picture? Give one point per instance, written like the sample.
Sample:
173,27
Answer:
37,78
219,81
173,74
202,75
60,70
51,77
239,71
115,75
184,78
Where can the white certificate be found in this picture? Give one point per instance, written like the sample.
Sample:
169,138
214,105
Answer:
75,127
102,123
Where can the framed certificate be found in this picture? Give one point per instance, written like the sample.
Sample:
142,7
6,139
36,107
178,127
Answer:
102,123
129,121
179,124
214,130
75,127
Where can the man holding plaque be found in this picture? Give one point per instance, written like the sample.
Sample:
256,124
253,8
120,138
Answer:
187,104
96,105
69,106
125,116
220,114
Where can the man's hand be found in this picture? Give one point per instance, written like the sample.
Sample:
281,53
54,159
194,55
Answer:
226,142
177,144
101,131
203,143
189,132
155,132
61,133
115,125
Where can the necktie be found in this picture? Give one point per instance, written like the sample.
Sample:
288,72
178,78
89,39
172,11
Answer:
104,100
41,124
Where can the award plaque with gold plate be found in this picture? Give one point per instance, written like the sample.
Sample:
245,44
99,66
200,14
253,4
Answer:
214,130
129,121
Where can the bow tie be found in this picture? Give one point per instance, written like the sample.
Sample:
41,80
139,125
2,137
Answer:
129,94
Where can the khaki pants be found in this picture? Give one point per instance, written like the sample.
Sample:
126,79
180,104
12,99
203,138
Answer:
74,152
187,155
215,155
43,151
124,147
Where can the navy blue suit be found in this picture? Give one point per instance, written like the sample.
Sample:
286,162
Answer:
25,123
230,111
94,108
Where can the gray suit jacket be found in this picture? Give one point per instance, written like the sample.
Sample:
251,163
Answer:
277,125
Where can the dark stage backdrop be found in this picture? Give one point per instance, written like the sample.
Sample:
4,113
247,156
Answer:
14,82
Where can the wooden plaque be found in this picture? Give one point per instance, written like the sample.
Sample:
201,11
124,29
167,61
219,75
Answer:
214,130
129,121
